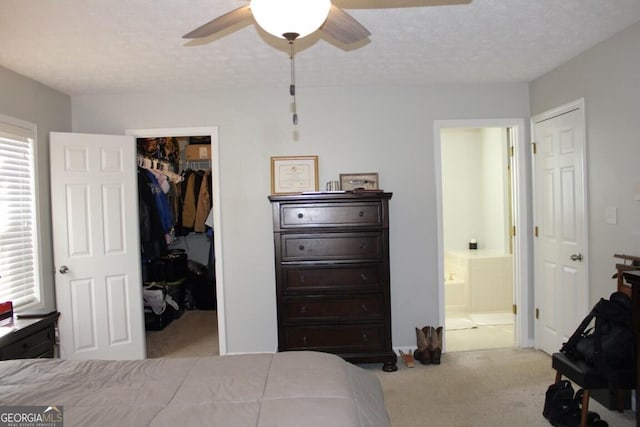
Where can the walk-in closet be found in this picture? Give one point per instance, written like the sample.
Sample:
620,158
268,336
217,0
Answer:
177,237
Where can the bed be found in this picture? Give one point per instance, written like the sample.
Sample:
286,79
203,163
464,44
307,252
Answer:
299,388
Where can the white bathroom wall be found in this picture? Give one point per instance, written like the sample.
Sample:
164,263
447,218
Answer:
495,190
475,189
461,192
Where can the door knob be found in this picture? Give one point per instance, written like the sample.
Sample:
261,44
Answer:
576,257
64,269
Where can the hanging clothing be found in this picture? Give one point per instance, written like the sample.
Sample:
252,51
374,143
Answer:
189,203
204,204
196,201
153,242
162,203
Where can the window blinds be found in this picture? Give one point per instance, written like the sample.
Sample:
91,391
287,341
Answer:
18,228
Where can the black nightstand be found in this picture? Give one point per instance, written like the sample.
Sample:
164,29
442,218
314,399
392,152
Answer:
28,338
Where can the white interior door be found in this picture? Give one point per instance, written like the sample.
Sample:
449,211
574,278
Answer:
561,290
97,246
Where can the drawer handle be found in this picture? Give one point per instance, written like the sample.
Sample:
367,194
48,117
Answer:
363,277
364,307
300,215
361,214
304,340
303,309
301,248
363,244
365,338
301,278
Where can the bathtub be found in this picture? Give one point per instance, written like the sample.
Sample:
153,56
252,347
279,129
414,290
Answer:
455,295
478,281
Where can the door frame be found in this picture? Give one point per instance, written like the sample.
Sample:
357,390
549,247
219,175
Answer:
520,204
578,104
211,131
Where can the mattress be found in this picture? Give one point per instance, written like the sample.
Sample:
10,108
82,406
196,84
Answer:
282,389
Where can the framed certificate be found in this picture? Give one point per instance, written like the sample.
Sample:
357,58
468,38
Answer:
294,174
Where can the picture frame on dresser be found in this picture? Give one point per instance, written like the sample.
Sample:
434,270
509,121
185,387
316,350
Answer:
357,181
294,174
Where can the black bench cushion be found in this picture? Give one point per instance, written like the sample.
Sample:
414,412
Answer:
578,371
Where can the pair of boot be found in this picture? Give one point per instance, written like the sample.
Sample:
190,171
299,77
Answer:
429,341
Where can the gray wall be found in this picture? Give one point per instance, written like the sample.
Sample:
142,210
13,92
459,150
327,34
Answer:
49,110
388,130
608,77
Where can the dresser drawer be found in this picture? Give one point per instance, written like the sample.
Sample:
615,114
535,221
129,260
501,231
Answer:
334,277
39,344
332,246
334,308
335,339
353,214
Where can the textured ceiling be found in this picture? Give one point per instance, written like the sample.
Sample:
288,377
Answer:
114,46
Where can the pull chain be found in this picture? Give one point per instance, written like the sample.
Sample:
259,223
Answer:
292,86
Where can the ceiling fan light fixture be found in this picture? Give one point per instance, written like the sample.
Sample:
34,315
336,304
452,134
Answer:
301,17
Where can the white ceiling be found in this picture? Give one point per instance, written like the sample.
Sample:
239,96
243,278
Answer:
114,46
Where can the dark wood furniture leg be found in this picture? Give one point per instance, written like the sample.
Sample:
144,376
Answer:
633,277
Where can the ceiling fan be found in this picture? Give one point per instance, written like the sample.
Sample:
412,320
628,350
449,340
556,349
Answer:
294,19
303,17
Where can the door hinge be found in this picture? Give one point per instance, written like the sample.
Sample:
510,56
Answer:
535,231
534,145
537,313
514,309
512,151
513,231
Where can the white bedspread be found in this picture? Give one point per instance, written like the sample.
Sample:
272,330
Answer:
282,389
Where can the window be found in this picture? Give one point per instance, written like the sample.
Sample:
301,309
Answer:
19,270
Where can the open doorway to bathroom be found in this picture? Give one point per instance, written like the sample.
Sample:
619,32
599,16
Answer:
477,223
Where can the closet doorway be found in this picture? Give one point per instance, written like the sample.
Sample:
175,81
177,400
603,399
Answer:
194,252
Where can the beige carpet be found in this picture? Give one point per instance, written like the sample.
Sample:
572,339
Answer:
503,387
194,334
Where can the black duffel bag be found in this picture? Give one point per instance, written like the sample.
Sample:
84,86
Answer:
608,345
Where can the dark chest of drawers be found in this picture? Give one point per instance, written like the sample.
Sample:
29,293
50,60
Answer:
332,275
29,338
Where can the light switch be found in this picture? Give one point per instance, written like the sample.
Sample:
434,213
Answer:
611,215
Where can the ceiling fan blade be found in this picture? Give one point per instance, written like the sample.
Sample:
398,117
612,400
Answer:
343,27
220,23
393,4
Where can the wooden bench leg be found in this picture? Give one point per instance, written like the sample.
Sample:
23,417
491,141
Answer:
620,399
585,408
558,377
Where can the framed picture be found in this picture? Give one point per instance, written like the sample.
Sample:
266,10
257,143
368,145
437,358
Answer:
294,174
359,181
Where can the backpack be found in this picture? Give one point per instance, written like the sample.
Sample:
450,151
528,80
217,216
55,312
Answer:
563,408
607,346
559,402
